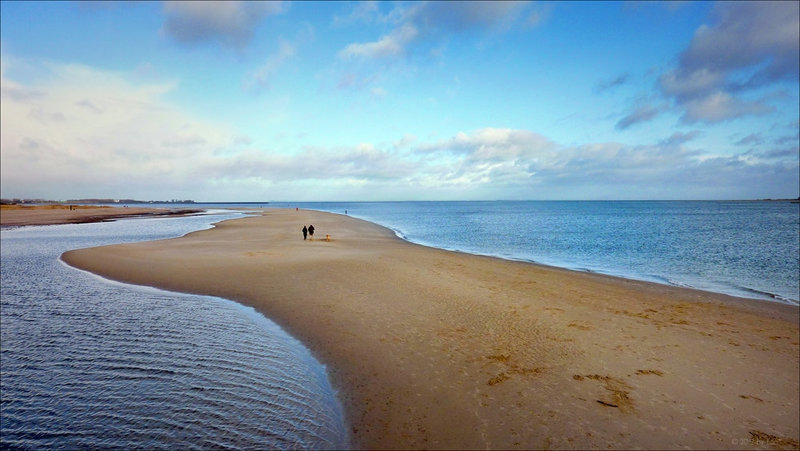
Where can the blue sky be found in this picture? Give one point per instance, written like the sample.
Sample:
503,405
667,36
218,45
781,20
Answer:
400,101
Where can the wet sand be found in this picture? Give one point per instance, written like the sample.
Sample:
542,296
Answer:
20,215
435,349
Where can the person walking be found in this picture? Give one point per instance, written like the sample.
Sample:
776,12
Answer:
311,231
305,233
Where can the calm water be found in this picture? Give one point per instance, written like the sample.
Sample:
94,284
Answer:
747,249
88,363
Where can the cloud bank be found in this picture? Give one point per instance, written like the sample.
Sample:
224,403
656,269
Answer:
82,132
750,47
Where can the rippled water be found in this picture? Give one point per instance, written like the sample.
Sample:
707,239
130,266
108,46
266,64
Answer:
89,363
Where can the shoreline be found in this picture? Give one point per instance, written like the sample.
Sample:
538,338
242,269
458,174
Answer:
437,349
91,213
660,280
736,292
744,301
39,215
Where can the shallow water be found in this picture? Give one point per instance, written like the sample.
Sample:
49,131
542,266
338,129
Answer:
89,363
749,248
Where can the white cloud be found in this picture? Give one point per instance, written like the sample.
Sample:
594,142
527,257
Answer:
719,106
751,45
493,144
392,44
362,12
87,129
362,161
405,141
687,86
539,15
523,164
747,34
262,77
423,27
517,164
422,21
643,113
751,139
679,138
83,132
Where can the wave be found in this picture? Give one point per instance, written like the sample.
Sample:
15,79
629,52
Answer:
774,296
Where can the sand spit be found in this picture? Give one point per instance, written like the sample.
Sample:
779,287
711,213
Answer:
21,215
436,349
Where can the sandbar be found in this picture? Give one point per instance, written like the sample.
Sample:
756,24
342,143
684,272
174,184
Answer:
24,215
437,349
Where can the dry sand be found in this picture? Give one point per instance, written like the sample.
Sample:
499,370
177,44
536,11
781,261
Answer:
436,349
19,215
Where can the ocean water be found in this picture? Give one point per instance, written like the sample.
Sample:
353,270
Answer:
89,363
748,249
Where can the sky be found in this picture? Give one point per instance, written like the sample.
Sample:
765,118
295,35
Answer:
384,101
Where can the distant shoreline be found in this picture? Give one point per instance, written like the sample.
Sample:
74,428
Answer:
37,215
92,201
121,202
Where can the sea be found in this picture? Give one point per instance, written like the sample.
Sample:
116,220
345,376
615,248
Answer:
90,363
742,248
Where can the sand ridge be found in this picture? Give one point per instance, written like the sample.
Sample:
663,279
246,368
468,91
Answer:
436,349
22,215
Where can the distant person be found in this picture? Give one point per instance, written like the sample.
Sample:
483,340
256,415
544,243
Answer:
305,233
311,231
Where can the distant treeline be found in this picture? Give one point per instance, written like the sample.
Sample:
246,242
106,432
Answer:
92,201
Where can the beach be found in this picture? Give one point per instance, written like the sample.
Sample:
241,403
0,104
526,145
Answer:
19,215
436,349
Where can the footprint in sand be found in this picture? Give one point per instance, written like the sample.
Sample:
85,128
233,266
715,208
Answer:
646,372
618,389
511,369
580,325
